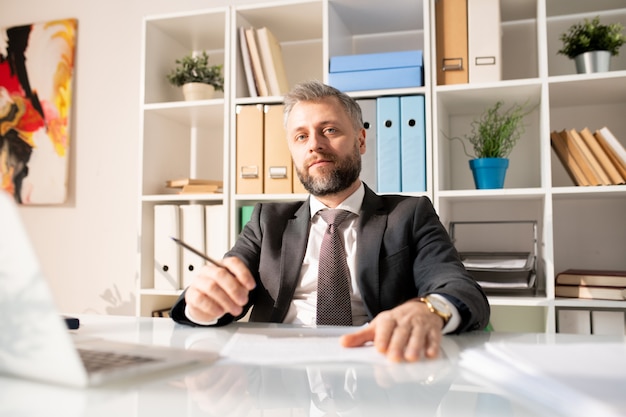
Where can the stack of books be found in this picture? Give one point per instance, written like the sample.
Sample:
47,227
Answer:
591,284
591,158
195,186
264,67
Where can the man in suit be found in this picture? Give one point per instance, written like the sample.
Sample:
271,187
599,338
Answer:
406,279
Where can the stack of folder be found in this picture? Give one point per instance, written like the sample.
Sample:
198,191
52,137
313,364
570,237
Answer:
395,156
203,227
263,160
377,71
400,144
591,321
468,41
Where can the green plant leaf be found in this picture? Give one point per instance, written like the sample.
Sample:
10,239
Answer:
496,132
591,35
196,69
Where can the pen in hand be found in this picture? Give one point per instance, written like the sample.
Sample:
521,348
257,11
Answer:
197,252
249,287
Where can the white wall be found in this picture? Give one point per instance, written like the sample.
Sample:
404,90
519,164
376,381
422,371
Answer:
88,246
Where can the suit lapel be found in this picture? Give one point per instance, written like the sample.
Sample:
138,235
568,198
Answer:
371,227
291,256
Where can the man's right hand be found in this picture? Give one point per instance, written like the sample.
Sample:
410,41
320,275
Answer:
216,291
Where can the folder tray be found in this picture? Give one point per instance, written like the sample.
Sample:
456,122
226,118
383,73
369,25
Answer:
500,270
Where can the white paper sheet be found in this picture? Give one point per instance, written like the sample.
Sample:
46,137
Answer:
573,379
495,263
297,345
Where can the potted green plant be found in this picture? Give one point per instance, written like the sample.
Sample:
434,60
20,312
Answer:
592,44
197,78
493,137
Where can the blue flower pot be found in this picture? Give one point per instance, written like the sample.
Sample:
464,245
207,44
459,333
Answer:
489,172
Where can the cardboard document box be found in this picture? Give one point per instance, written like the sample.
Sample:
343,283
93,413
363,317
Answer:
384,70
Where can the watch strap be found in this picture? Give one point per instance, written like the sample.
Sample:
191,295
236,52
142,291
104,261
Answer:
445,317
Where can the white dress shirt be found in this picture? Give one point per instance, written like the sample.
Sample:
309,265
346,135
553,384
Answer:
304,305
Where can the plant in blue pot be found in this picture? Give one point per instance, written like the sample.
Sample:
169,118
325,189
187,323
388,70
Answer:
493,137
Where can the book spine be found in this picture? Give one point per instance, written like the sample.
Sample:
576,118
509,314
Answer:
590,293
590,159
578,156
613,149
603,158
570,165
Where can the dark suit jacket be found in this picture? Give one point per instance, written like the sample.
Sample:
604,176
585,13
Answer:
403,252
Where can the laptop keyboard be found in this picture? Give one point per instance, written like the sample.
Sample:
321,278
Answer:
95,360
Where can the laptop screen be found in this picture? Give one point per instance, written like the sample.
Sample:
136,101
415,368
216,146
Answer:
34,341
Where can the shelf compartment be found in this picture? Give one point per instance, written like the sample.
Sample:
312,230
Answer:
168,38
298,27
507,212
173,149
591,102
370,26
457,108
589,233
562,15
520,318
500,271
520,52
146,239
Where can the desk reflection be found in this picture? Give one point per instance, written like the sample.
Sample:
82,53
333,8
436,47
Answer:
352,389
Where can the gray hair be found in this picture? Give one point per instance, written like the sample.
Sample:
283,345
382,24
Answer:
316,91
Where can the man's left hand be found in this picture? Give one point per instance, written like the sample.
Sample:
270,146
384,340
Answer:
405,333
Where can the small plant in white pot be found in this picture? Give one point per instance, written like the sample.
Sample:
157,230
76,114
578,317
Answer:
591,44
493,137
198,79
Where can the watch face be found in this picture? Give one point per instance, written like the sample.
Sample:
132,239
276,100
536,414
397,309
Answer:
440,305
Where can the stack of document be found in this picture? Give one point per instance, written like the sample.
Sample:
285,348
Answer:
568,379
501,271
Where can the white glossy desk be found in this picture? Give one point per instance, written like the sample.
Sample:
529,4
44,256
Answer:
432,388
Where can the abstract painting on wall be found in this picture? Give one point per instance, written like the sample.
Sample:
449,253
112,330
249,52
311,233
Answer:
36,69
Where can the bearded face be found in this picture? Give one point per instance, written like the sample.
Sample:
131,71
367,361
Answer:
330,180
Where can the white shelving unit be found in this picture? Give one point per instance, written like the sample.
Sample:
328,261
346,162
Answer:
180,139
578,227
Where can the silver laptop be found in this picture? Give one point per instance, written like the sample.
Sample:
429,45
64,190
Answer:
34,340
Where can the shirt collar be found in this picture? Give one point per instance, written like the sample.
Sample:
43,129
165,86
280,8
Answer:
353,203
